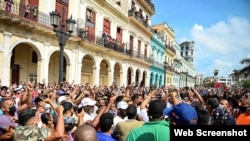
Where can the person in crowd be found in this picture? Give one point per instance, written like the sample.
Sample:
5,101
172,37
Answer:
27,10
219,115
91,116
181,113
48,121
156,129
137,100
85,133
9,119
28,129
69,121
121,112
124,127
8,5
106,126
202,113
244,117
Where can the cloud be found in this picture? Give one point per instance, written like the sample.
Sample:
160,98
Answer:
221,45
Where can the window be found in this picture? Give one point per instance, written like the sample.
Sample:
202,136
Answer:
139,46
34,57
118,3
106,26
33,78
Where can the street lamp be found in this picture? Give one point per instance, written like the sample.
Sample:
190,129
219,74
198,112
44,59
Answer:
62,33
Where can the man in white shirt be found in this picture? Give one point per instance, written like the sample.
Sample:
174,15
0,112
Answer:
89,108
121,112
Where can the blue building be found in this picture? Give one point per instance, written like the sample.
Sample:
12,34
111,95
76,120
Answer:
157,73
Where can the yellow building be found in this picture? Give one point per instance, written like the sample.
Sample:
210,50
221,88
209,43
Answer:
169,37
110,42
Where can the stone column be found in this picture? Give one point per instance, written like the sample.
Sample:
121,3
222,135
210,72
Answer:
5,58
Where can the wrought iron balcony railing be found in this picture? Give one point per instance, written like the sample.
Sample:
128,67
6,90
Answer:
140,19
171,49
151,5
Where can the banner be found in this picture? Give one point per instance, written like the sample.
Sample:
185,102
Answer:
196,132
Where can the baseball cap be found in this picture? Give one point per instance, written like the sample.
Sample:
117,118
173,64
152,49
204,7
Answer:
67,105
87,102
122,105
182,113
60,92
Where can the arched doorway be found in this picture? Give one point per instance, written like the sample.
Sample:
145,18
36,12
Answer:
143,78
137,77
104,69
129,76
117,74
54,68
87,70
23,64
160,81
151,78
156,80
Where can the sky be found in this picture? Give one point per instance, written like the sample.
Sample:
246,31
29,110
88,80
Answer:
219,28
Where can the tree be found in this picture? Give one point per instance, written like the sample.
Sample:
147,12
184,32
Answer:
216,72
235,75
246,70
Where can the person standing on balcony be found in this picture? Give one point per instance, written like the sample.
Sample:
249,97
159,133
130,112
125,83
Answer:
27,10
8,5
34,10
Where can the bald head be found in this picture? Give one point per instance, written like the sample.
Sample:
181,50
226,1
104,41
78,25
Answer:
85,133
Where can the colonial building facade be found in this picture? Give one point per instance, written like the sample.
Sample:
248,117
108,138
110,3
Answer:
115,47
157,73
112,42
167,33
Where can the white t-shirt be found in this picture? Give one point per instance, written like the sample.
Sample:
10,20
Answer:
119,119
144,114
88,117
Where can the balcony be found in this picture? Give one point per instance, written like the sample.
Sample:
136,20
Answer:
171,50
18,9
158,65
177,72
115,46
40,22
148,5
140,21
169,68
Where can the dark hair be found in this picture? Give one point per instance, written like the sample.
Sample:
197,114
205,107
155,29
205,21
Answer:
119,98
131,111
203,115
106,121
155,109
213,102
135,96
25,115
45,117
67,106
39,99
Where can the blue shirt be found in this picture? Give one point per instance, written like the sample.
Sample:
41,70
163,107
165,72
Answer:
104,137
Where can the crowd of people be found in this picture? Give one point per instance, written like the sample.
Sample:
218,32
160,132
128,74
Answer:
76,112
